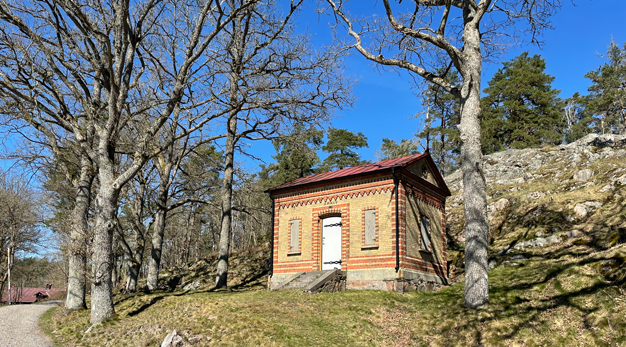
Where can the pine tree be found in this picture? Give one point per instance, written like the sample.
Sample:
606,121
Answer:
440,130
521,108
295,156
341,146
608,91
391,149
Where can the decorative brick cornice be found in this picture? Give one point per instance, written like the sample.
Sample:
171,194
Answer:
424,195
323,185
329,196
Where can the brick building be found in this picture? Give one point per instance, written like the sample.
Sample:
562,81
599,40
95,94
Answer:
347,220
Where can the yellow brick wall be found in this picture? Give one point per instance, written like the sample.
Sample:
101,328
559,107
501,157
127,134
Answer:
415,207
417,170
285,216
385,232
382,199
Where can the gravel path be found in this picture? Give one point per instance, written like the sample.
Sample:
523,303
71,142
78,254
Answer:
19,325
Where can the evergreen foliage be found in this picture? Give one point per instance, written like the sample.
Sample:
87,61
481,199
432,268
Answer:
295,156
607,100
341,146
521,108
440,130
391,149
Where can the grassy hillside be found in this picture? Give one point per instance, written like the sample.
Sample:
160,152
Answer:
557,253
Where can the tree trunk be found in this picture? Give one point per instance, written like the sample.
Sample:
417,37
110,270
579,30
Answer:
3,282
135,261
442,139
77,257
157,236
106,209
227,197
221,280
114,273
133,275
476,224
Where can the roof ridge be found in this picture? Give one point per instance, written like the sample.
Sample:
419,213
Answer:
351,171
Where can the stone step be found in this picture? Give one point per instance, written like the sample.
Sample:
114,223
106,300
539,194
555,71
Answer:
296,285
305,279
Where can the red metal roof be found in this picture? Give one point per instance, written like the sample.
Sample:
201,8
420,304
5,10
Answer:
352,171
25,294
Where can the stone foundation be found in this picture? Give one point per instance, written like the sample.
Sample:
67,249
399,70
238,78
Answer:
335,285
404,285
377,279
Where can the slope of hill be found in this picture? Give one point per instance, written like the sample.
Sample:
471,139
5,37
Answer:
545,199
557,274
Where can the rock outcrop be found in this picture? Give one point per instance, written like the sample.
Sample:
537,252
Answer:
515,166
550,197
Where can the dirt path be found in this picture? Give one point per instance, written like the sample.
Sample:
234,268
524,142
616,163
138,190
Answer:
19,325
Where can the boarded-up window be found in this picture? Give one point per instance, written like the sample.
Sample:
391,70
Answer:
370,227
425,232
295,235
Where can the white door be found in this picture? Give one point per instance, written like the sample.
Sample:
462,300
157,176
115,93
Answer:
331,243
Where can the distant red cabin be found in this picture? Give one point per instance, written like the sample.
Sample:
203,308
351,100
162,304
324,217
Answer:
26,295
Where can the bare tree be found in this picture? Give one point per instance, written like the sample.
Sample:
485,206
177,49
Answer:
74,164
20,220
167,166
437,35
135,214
274,79
93,70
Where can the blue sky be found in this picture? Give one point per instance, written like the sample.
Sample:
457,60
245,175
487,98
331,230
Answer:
386,100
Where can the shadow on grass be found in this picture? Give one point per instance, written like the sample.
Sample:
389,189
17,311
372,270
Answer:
153,301
511,305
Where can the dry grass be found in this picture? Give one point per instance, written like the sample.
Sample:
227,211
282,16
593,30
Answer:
554,298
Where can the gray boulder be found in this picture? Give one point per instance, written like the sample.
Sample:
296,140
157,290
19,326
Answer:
583,175
517,257
572,234
581,210
502,204
535,195
173,340
192,286
593,204
538,242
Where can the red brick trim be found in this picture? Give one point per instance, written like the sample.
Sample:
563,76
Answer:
403,214
299,250
294,266
444,240
376,228
425,266
424,196
433,189
334,195
275,226
323,185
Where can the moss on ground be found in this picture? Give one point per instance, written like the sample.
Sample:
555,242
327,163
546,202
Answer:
571,293
47,323
557,298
